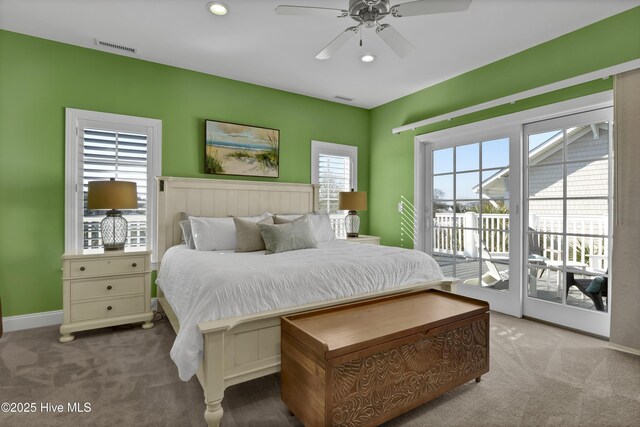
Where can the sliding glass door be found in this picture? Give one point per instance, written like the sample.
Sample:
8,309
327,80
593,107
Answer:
473,229
568,206
518,209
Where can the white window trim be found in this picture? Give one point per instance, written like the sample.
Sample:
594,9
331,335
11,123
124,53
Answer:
321,147
74,198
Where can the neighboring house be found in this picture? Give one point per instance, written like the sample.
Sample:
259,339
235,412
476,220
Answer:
587,169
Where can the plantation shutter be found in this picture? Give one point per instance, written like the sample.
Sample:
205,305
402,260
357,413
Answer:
123,156
334,168
334,173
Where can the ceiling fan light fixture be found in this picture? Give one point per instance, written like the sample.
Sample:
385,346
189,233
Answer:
368,14
218,8
367,58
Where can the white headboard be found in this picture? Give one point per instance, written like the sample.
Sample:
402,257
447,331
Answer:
222,198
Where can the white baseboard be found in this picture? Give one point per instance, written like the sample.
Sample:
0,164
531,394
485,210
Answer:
38,320
33,320
625,349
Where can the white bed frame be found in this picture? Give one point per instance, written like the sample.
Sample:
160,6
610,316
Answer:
241,348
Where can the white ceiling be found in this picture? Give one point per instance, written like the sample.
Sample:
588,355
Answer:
253,44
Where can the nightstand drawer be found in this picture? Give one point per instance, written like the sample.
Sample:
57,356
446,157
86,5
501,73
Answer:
107,308
111,287
119,265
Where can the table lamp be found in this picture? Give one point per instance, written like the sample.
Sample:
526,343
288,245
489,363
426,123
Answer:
353,201
112,195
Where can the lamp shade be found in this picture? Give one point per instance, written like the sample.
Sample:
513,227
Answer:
352,200
112,195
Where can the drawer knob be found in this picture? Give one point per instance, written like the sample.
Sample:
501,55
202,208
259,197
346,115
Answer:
82,269
109,287
109,307
134,265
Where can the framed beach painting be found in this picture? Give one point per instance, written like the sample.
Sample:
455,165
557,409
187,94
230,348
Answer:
235,149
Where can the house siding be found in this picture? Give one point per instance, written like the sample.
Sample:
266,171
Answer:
587,176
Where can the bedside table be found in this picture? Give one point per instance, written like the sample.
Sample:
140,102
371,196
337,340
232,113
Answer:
363,238
108,289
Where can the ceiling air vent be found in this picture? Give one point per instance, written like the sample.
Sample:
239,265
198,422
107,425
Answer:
115,46
343,98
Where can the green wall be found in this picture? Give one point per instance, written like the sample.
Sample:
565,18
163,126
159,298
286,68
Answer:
39,78
605,43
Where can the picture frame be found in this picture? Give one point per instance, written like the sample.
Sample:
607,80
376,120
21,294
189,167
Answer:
242,150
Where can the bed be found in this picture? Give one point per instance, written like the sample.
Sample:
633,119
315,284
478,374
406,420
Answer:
238,339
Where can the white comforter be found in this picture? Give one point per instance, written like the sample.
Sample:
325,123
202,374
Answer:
203,286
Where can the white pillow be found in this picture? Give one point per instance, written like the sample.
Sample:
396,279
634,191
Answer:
216,234
322,224
213,234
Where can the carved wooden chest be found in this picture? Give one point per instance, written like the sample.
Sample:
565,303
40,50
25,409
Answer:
364,363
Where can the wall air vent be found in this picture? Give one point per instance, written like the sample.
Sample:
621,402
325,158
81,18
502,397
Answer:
116,46
343,98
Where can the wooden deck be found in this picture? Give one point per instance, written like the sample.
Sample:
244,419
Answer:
546,284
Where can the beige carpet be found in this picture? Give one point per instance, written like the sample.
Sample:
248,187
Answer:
540,375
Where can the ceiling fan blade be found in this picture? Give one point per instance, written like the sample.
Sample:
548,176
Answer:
311,11
429,7
337,43
395,40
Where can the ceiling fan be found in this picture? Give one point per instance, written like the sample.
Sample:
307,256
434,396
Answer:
369,13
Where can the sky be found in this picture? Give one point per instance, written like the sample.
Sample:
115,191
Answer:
495,156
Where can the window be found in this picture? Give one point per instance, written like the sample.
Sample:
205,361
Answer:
101,146
334,167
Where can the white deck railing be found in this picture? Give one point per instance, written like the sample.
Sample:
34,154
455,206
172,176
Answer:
588,250
494,231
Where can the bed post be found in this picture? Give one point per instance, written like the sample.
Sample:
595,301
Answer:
213,378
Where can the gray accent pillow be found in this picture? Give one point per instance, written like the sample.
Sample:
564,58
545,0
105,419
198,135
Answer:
321,224
286,219
295,235
248,234
184,217
187,235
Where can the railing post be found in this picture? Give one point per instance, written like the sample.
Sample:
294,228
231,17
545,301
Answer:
470,225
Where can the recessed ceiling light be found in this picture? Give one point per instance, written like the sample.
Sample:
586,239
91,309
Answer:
218,8
367,58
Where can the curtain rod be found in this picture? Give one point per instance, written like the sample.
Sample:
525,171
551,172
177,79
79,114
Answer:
603,73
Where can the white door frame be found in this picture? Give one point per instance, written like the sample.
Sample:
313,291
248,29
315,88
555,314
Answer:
504,302
508,125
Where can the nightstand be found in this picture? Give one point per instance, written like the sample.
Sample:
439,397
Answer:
363,238
107,289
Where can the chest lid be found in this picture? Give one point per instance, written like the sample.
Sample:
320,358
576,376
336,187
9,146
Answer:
334,331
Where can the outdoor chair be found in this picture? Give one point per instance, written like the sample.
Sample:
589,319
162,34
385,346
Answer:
595,288
536,253
493,278
499,279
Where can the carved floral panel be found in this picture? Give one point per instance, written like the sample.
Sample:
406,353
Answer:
367,388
